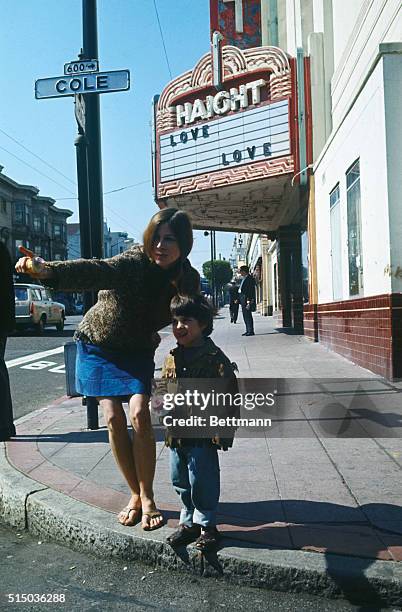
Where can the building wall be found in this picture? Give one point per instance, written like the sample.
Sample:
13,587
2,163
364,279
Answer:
361,136
5,214
393,131
355,48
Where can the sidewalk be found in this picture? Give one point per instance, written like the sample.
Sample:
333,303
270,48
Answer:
318,514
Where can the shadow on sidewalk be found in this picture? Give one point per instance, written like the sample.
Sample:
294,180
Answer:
362,534
79,437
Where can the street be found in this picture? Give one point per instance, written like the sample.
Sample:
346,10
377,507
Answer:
31,568
36,370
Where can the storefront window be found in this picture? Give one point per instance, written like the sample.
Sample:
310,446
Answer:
304,255
354,230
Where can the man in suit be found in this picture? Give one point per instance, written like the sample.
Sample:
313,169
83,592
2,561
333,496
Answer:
247,299
7,324
233,301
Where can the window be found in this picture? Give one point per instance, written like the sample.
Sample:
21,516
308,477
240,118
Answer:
35,295
354,230
304,258
57,230
18,243
37,223
336,243
22,214
3,203
19,213
21,294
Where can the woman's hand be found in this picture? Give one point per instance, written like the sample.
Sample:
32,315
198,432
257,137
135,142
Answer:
32,265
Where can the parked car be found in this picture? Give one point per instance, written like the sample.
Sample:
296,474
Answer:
34,307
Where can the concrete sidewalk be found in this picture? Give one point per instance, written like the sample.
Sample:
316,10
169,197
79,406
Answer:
307,512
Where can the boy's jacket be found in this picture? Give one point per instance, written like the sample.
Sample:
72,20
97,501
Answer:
207,362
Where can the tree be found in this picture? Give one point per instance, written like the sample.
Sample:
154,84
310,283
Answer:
223,272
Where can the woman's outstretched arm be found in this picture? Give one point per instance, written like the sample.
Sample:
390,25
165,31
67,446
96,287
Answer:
84,274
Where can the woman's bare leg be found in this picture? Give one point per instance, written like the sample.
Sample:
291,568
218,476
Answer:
144,449
121,444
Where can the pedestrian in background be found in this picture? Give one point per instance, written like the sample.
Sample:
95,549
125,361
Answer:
247,299
233,301
7,325
116,340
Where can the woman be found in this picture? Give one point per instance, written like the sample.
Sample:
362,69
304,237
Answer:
7,325
116,340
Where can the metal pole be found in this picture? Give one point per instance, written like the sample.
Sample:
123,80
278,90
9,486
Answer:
212,268
93,167
86,251
215,287
83,206
93,132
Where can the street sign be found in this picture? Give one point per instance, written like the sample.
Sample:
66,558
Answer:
78,67
79,109
95,82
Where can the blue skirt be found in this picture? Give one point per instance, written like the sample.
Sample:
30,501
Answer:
101,372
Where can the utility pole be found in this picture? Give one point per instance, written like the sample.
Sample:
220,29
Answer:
92,131
93,165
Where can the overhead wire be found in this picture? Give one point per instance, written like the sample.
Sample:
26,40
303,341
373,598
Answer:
163,40
107,207
37,156
36,169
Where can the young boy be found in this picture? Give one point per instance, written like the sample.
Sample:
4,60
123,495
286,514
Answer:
194,464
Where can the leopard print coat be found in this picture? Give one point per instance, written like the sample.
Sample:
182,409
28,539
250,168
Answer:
133,300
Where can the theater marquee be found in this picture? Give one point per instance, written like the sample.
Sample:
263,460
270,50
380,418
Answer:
210,138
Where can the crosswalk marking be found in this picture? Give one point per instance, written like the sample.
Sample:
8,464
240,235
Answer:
33,357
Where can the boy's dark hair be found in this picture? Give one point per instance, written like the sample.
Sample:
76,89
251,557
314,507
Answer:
196,307
244,269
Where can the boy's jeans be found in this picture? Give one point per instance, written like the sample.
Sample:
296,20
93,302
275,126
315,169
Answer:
194,471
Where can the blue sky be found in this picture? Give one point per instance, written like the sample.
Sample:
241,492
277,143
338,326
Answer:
37,38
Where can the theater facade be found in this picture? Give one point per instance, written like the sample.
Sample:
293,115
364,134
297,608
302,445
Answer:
228,145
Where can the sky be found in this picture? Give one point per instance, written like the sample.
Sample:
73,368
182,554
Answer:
37,38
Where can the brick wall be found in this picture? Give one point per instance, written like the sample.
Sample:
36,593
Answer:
368,331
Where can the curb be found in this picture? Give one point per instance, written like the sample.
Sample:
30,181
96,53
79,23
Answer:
27,504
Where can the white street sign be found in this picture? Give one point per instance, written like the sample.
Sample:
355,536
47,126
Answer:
96,82
80,66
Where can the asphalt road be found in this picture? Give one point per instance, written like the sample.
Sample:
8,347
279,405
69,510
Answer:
37,380
75,581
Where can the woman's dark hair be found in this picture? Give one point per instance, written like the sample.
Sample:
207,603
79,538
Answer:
195,307
186,277
180,224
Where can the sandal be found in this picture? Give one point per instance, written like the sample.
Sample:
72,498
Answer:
208,539
184,535
149,516
136,518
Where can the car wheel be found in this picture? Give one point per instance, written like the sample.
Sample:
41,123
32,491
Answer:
60,325
40,327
